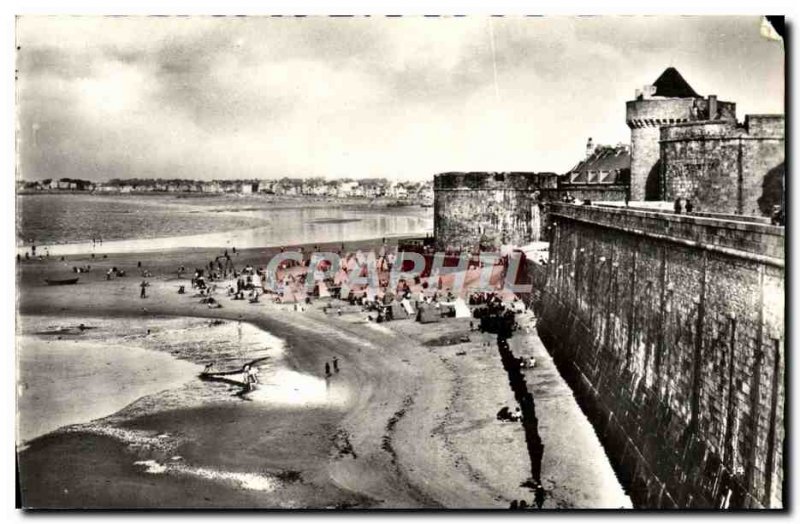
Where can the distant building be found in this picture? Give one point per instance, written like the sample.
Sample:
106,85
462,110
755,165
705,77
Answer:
347,189
603,175
210,187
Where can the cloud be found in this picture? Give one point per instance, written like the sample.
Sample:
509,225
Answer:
235,97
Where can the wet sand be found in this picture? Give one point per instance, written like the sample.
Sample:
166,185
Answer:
416,428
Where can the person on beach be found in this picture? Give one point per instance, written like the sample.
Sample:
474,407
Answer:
143,285
336,364
327,369
246,376
539,495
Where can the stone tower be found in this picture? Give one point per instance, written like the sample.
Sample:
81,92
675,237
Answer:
670,100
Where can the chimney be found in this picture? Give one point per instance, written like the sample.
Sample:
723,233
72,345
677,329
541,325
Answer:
589,148
712,107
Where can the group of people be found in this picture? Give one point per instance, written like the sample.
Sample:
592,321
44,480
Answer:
683,205
335,367
114,272
250,377
538,500
32,254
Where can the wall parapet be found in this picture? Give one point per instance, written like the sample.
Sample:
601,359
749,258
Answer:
761,242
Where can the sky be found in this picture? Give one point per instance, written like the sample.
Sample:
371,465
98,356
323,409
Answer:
400,98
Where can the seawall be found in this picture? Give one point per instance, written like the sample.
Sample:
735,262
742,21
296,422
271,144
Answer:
670,329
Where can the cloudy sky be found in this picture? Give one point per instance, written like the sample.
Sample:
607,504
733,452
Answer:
402,98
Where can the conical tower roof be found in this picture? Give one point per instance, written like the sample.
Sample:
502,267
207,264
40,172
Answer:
672,85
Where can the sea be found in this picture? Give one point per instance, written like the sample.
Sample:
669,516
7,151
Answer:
67,224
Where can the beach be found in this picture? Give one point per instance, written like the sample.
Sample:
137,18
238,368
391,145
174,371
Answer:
408,422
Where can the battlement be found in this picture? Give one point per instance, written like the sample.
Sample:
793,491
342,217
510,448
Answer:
763,241
754,127
655,112
766,126
511,181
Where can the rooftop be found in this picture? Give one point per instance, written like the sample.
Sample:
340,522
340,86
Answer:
607,161
672,85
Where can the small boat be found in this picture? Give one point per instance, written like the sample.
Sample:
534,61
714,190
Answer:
61,281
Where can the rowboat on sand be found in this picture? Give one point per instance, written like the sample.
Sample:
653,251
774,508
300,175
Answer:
61,281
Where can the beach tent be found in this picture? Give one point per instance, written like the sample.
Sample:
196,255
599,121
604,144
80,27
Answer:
321,290
428,314
462,310
407,306
398,311
293,294
340,277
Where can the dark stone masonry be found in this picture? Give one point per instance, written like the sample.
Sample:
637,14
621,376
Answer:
670,328
483,211
724,166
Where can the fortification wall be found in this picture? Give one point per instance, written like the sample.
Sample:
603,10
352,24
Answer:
487,210
671,330
593,192
724,167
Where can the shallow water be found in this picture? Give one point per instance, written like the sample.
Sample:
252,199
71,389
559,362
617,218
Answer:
68,375
62,382
66,224
249,481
